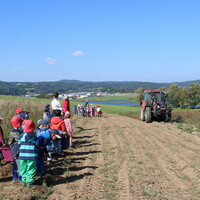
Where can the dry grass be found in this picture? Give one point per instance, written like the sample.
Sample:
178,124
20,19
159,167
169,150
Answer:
8,107
188,119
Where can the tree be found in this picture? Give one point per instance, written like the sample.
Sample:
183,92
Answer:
173,90
193,95
183,97
163,89
140,94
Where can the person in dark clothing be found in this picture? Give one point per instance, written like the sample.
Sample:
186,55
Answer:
14,146
2,141
47,113
44,138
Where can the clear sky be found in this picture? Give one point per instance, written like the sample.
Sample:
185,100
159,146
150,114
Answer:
100,40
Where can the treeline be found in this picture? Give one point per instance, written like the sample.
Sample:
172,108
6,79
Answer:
180,96
72,86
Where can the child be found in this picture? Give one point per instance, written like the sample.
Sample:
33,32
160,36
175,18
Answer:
14,146
79,110
66,105
55,146
99,112
28,153
44,138
91,110
58,123
68,125
23,114
47,114
75,109
2,141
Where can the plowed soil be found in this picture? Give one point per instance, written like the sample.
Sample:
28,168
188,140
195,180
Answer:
120,158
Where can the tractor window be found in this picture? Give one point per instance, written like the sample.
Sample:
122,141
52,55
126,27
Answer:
158,97
147,96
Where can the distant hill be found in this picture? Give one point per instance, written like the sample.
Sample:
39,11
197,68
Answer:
68,86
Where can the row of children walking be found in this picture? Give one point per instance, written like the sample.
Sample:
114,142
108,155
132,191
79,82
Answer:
30,146
92,111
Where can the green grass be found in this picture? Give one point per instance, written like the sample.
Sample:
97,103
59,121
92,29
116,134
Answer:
125,110
8,105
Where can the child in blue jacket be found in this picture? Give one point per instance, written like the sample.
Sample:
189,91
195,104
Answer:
44,138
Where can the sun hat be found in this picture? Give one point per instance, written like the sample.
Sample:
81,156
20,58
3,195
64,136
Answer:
29,126
16,121
67,114
18,110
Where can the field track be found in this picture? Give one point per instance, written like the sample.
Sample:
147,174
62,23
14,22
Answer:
118,157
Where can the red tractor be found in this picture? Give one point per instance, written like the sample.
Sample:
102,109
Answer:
155,106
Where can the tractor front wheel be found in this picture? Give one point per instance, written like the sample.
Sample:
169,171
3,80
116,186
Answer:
148,115
168,117
142,115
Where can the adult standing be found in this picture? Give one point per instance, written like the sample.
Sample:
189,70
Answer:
66,105
55,104
86,103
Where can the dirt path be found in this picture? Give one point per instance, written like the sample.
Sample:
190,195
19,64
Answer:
120,158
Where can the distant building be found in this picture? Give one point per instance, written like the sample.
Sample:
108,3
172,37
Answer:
76,95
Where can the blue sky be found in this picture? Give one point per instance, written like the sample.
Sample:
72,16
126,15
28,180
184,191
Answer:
100,40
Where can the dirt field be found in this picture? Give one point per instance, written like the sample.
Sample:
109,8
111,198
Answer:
118,157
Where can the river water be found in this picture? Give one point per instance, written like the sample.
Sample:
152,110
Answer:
115,103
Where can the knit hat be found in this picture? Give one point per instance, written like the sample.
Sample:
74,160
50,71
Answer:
29,126
67,114
16,121
54,131
43,122
18,110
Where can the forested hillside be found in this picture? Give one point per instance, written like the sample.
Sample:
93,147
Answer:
67,86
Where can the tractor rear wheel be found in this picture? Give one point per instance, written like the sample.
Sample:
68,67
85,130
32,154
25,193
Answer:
142,115
148,115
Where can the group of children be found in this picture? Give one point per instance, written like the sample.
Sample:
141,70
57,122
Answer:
32,146
89,111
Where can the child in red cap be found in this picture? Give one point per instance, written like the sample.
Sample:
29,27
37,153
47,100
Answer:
23,114
14,146
28,153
